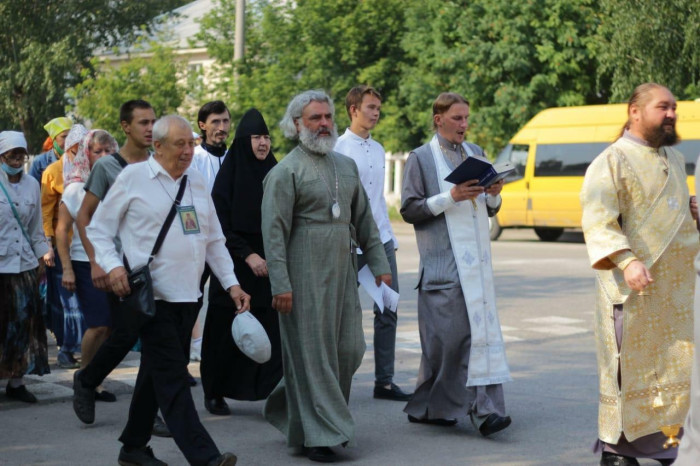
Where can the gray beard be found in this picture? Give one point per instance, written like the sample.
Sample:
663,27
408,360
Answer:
320,145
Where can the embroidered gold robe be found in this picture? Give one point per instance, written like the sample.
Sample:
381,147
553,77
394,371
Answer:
636,197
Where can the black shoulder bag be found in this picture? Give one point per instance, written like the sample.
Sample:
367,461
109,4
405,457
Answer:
139,306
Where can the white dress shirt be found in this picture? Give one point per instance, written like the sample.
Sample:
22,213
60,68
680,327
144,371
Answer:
206,164
136,207
16,253
369,156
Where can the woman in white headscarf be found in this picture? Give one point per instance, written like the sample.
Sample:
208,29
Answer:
92,302
23,346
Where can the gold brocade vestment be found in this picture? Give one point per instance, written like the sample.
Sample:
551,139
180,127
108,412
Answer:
636,197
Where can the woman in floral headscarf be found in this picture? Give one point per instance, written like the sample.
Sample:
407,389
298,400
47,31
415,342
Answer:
64,318
76,266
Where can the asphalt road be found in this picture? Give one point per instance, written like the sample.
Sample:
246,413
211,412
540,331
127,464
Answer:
545,295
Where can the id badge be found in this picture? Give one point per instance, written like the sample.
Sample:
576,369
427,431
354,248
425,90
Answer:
188,219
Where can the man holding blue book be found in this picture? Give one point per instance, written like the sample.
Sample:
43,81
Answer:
463,364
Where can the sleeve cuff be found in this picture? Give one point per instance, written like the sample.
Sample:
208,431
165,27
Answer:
623,258
440,203
493,201
230,281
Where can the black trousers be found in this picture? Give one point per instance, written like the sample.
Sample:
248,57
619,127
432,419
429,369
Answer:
162,382
113,350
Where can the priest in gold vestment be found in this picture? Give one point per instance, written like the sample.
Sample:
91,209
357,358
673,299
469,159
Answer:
641,240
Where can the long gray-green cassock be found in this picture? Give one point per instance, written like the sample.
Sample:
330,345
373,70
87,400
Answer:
312,254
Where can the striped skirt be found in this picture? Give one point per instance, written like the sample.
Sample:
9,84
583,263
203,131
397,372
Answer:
23,347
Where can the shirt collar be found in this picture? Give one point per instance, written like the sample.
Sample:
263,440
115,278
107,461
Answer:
357,138
447,144
156,168
633,138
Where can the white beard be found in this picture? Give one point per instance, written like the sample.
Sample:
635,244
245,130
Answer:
320,145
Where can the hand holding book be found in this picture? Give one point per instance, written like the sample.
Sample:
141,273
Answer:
470,189
480,169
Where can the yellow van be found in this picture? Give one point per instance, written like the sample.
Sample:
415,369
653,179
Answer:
551,154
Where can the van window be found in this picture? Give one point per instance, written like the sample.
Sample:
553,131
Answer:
517,156
566,159
690,150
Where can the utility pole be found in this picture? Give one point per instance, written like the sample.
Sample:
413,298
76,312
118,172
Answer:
239,39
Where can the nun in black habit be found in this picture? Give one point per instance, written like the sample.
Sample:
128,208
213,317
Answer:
237,194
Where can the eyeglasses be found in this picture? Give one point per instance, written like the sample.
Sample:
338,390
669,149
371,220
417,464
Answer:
264,137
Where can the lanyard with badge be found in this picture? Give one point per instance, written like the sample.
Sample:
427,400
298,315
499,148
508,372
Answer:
187,213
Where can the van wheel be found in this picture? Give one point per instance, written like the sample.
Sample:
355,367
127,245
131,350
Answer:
549,234
495,229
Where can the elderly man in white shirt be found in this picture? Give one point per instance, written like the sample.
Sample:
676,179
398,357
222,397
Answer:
363,104
135,209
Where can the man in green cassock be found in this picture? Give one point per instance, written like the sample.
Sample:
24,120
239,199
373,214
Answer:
315,214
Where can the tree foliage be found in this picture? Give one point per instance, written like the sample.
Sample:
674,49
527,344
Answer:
292,47
46,44
510,59
154,79
645,40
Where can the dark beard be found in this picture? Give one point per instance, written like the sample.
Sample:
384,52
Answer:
658,136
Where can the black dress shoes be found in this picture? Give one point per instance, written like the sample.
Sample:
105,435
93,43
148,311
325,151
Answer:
321,454
612,459
225,459
217,406
20,393
392,393
494,423
139,457
435,422
83,400
160,429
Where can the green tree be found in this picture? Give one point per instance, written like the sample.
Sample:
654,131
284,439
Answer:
644,40
45,45
510,59
153,78
291,47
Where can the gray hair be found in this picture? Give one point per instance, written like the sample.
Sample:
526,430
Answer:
296,107
162,127
103,138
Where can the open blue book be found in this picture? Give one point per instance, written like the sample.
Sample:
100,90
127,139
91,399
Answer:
479,168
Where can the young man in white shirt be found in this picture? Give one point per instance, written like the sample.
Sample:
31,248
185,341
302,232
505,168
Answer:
363,104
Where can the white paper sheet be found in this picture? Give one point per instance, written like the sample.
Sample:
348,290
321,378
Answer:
383,295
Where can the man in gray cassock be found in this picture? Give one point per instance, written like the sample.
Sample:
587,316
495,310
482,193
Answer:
463,361
315,214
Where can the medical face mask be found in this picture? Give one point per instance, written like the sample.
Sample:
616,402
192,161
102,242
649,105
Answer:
11,170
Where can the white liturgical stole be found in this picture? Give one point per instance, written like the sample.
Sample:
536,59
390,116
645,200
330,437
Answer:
468,228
